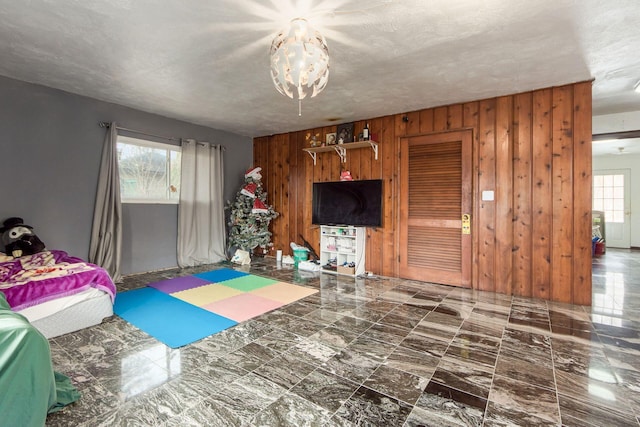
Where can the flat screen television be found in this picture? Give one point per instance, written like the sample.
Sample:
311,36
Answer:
356,203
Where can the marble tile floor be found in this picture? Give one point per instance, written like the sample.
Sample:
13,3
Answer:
374,352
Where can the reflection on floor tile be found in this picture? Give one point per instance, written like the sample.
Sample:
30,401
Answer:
522,397
395,383
325,389
368,407
442,405
373,351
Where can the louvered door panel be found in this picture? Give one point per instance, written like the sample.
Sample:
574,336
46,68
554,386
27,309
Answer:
433,247
435,183
433,168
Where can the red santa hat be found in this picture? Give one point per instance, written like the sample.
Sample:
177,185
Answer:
346,176
253,173
249,190
259,207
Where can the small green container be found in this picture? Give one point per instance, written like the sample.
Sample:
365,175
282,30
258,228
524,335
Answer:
300,255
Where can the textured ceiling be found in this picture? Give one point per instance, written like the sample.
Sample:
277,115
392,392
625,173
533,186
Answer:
616,147
207,62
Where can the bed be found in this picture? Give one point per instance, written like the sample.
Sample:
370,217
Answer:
56,292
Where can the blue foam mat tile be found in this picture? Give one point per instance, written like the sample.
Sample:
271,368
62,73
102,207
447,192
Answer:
168,319
217,276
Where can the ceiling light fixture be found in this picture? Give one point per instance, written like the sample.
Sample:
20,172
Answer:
637,87
299,61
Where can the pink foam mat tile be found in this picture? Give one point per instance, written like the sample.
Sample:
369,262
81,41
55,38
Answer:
283,292
243,306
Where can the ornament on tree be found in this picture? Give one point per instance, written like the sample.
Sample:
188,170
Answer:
259,207
249,190
250,215
253,173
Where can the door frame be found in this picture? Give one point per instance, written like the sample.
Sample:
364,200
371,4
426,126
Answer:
469,159
626,227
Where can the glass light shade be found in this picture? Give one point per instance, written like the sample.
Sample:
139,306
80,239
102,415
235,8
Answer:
299,61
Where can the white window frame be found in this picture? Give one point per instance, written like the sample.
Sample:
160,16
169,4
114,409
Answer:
613,204
155,145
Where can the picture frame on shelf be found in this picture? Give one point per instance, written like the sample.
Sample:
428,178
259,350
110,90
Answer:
331,138
344,133
312,140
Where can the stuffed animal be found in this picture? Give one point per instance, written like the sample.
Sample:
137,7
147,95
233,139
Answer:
18,239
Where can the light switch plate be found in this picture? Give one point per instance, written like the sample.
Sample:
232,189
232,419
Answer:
487,195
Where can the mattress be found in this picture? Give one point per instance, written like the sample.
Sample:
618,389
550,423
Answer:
71,313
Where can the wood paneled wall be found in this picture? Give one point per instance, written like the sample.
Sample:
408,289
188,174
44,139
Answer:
532,149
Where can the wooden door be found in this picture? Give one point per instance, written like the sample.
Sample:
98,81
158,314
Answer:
435,193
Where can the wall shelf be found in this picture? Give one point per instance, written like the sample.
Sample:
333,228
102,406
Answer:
341,149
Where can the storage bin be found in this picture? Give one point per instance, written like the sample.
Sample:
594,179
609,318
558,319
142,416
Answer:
346,270
300,255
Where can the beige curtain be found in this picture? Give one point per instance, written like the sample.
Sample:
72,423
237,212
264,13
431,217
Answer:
201,229
106,232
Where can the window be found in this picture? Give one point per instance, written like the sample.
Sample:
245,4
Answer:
149,171
608,196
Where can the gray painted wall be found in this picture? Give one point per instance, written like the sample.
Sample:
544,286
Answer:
50,148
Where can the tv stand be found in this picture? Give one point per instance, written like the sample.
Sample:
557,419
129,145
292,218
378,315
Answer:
344,244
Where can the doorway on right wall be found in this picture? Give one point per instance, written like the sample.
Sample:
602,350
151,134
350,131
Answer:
616,178
612,196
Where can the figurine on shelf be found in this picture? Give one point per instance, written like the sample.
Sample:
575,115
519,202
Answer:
346,176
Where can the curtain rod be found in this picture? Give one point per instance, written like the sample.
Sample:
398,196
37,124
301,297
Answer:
169,138
107,125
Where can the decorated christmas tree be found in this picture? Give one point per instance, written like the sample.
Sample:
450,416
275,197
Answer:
250,215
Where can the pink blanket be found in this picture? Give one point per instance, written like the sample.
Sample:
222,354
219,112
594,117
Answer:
34,279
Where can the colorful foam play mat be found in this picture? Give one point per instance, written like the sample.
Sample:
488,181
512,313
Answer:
186,309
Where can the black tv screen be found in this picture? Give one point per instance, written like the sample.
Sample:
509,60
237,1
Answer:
356,203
